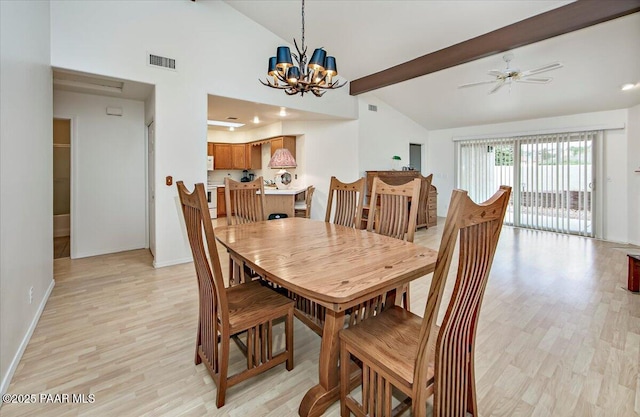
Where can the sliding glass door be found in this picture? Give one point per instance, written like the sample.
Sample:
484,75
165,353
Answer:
551,176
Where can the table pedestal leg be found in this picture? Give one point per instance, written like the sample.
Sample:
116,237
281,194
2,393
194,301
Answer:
321,396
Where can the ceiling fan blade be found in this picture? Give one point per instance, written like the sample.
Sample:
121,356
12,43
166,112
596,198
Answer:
545,68
535,80
497,87
495,73
477,83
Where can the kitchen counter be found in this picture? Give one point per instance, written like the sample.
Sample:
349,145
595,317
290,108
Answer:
290,191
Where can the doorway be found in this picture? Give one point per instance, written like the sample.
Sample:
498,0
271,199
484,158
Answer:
415,157
61,188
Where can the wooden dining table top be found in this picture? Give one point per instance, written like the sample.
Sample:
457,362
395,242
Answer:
335,266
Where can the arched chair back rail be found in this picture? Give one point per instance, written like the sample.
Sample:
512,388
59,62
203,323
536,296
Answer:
348,202
225,312
400,349
244,203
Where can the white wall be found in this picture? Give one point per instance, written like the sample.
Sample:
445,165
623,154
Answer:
386,133
633,164
616,192
26,211
112,38
327,148
108,173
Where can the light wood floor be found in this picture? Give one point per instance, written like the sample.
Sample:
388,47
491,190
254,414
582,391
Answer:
558,336
61,247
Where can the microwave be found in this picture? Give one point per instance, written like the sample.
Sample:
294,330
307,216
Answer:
209,162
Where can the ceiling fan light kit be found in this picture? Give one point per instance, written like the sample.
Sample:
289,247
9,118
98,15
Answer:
315,77
514,75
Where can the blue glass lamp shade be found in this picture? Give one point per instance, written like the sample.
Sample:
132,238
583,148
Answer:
330,66
283,57
293,75
272,66
316,62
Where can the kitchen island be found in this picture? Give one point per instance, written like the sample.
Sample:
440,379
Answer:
281,201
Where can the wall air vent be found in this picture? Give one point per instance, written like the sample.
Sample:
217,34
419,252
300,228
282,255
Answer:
161,61
373,107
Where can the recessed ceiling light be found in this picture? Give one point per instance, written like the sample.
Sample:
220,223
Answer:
231,128
223,123
283,111
256,120
628,86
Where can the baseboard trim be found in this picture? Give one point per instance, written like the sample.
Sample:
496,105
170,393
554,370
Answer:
25,341
171,262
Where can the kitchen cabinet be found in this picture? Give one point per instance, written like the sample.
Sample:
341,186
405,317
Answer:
222,156
238,156
288,142
209,148
253,156
222,209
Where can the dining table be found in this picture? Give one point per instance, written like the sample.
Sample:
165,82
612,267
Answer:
340,270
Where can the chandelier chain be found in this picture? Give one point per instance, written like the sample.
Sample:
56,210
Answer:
303,25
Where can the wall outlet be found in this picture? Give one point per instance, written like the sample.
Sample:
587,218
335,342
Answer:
30,295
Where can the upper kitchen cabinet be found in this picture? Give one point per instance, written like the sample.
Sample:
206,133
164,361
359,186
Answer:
238,156
288,142
253,156
222,156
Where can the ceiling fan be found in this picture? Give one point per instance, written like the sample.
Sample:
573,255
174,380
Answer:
511,75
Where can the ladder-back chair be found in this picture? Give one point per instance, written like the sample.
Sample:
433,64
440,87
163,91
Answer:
397,348
225,312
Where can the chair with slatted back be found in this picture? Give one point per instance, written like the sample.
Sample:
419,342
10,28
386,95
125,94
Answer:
348,199
225,312
423,207
303,208
244,203
400,349
395,214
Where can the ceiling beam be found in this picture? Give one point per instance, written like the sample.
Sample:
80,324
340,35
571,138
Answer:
565,19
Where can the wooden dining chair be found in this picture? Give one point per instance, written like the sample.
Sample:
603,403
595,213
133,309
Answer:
244,203
348,198
393,211
423,206
225,312
303,208
400,349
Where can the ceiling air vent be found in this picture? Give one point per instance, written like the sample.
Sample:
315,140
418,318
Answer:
373,107
162,62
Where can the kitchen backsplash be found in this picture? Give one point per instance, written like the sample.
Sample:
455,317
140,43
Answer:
217,176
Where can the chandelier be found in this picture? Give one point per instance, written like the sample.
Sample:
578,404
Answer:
315,77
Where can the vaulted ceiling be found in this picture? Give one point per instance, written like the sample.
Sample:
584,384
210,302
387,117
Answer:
371,36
